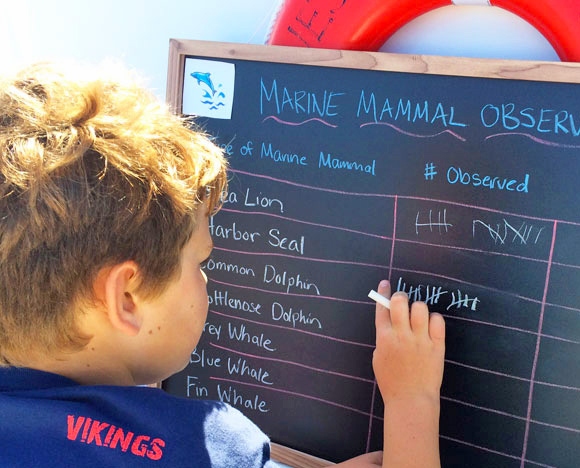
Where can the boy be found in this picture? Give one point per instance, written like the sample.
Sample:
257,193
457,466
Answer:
104,205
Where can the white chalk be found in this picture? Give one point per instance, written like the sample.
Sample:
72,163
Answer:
375,296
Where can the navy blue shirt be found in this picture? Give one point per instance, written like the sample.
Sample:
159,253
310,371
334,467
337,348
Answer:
47,420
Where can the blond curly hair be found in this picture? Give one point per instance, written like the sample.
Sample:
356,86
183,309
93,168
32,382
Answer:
93,171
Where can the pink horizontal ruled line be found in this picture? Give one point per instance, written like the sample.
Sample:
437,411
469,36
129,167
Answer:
272,215
487,371
319,189
485,449
564,387
283,361
567,265
384,267
311,259
273,389
483,408
469,249
507,327
574,309
306,332
307,296
338,405
406,197
449,361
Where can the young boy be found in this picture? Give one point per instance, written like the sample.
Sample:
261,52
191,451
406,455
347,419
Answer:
104,205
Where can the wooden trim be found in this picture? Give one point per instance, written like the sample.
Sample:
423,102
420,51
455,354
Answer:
563,72
296,459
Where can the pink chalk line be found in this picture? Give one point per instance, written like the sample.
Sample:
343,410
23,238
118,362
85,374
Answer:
485,449
507,327
306,332
285,122
283,361
309,397
368,447
311,296
310,259
364,413
533,138
537,352
260,213
406,197
410,241
415,135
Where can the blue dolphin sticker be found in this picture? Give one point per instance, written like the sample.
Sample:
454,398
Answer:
204,78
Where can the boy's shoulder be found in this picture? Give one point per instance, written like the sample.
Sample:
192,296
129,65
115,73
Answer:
69,424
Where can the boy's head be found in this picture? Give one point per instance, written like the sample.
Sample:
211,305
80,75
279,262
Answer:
101,191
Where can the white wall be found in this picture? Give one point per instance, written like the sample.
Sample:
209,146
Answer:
138,31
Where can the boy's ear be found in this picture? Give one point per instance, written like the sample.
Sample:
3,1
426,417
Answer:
122,310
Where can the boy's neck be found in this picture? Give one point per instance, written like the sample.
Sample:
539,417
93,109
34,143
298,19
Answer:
87,367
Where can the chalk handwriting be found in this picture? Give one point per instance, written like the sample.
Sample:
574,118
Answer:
241,367
456,174
502,233
275,100
263,201
220,298
194,389
212,330
199,356
440,223
432,295
289,316
235,398
285,243
405,109
325,161
271,275
279,156
212,265
541,120
231,232
240,334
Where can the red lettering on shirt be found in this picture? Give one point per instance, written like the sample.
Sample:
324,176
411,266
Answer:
95,432
138,448
73,427
155,452
92,434
125,440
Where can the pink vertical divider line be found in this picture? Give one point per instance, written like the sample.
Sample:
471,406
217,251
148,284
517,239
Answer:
537,352
390,274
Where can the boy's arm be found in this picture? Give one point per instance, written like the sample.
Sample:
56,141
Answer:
408,365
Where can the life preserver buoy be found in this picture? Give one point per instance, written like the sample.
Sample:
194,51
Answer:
367,24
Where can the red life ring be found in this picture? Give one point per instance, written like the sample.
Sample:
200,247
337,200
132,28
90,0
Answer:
367,24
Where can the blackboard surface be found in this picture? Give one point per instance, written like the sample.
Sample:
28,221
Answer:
463,191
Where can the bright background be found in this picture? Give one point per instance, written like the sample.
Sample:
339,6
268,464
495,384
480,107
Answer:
138,31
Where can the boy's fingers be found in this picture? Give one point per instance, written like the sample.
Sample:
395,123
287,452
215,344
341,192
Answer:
420,318
382,316
437,328
400,311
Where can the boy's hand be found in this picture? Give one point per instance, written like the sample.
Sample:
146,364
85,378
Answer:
408,359
408,365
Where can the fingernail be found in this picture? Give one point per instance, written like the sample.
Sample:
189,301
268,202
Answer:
383,284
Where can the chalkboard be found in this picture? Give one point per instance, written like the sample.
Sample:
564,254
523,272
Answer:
457,179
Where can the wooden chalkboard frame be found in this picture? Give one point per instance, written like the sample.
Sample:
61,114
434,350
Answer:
562,72
179,49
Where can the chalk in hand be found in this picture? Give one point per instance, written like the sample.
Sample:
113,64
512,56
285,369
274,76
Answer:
375,296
